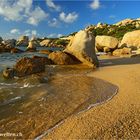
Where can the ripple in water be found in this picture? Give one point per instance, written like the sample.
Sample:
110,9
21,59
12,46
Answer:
69,91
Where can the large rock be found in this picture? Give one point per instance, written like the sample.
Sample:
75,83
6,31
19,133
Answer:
23,41
45,43
1,39
123,51
4,48
26,66
10,42
62,58
124,22
9,73
131,39
32,46
106,41
82,46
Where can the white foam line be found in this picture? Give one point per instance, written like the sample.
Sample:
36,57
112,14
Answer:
61,122
49,130
94,105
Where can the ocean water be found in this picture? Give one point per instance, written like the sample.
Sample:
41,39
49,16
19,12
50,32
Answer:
35,104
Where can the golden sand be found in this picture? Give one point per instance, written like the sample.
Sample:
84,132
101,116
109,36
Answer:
118,118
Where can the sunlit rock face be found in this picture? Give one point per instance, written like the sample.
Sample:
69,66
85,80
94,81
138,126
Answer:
131,39
82,46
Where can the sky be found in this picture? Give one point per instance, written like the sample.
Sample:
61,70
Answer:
55,18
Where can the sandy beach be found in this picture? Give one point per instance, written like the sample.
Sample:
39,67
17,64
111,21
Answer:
118,118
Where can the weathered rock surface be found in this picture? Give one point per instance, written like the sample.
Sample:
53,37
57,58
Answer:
106,41
26,66
23,41
1,39
10,42
124,22
4,48
62,58
31,47
45,43
123,51
131,39
82,46
9,73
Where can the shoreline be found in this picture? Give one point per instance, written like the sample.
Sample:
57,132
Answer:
80,112
118,118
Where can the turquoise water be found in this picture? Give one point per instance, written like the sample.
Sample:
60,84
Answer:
9,59
34,104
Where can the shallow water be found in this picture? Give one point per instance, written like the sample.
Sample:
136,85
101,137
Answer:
33,105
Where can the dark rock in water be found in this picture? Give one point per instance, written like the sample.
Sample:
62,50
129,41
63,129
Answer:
9,73
16,50
10,43
62,58
4,48
27,66
31,50
1,39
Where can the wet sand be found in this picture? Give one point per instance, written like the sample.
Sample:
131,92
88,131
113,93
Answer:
119,118
33,111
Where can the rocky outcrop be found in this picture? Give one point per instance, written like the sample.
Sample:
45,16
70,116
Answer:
9,73
1,39
31,47
123,51
108,42
4,48
124,22
26,66
23,41
16,50
45,52
9,43
45,43
131,40
82,46
62,58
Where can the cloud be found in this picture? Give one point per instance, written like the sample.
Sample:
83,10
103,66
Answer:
21,10
36,16
52,5
69,18
53,23
15,31
95,4
30,33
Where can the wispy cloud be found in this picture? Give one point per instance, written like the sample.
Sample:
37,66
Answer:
21,10
95,4
68,18
52,5
36,16
15,31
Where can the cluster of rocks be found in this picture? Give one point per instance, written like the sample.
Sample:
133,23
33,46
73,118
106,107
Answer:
108,44
31,44
81,49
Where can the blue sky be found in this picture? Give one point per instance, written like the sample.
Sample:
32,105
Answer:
53,18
